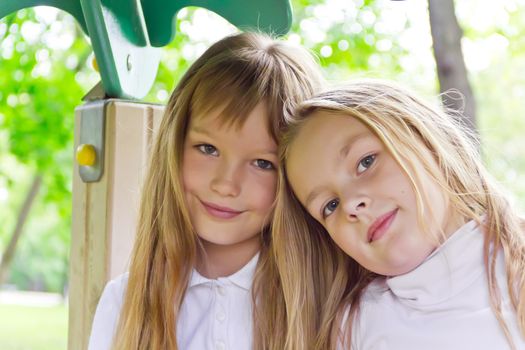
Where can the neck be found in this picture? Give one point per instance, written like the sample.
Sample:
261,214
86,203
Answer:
453,224
224,260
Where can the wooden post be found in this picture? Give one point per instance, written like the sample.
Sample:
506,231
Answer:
105,212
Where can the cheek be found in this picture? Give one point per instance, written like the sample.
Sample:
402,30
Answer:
407,196
440,206
338,230
194,170
343,239
262,191
401,190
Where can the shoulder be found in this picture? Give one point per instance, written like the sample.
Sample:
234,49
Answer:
107,313
116,288
113,294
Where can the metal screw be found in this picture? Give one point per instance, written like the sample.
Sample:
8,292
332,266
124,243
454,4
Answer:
128,63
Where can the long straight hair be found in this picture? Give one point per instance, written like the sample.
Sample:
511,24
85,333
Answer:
235,74
409,128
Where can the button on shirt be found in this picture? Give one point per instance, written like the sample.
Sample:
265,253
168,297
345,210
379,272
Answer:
215,313
442,304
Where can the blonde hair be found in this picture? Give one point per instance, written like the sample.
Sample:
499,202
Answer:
235,74
409,129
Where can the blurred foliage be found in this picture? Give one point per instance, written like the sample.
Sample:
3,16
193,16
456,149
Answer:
39,64
45,69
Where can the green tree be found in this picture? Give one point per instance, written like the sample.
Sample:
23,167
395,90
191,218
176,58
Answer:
40,62
451,69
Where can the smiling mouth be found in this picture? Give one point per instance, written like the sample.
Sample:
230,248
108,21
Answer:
381,225
220,212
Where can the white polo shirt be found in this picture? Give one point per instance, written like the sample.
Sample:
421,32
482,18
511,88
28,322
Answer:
442,304
215,313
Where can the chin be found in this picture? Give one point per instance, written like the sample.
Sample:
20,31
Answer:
222,240
216,239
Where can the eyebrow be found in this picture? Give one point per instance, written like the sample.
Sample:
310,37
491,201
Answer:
204,131
313,195
343,152
199,130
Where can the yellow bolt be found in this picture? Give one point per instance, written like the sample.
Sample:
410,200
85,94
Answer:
86,155
94,63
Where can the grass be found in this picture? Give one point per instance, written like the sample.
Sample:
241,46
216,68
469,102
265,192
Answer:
33,328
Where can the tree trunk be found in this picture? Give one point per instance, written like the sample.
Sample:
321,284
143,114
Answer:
452,72
9,252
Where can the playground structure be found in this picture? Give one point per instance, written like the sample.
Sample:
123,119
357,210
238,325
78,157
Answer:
114,130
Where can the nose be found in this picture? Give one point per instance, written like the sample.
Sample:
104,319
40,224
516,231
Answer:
355,207
225,181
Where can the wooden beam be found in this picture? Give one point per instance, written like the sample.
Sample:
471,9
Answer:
105,212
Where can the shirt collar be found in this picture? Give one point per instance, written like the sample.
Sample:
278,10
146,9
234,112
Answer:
242,278
446,272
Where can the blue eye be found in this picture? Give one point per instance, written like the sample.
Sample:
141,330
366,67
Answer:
208,149
264,164
330,207
365,163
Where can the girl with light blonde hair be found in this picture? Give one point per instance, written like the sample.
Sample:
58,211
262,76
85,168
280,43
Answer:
414,244
201,276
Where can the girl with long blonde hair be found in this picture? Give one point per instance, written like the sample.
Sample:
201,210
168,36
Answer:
386,196
200,275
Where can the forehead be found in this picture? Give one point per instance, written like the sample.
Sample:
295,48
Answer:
325,131
253,126
231,112
318,148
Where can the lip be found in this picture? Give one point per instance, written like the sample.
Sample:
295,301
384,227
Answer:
220,211
380,226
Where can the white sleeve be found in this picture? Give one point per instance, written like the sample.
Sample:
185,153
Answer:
107,314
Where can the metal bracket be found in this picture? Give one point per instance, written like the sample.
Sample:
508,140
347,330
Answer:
92,132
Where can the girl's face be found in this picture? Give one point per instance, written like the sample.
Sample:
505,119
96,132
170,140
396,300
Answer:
348,181
229,177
